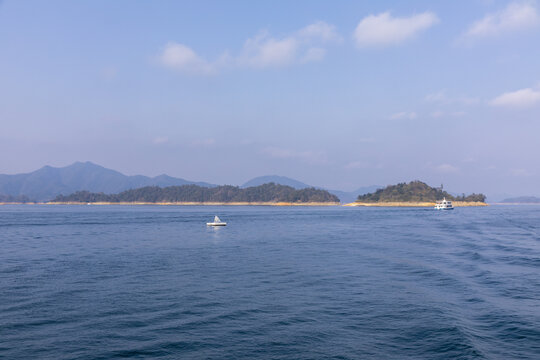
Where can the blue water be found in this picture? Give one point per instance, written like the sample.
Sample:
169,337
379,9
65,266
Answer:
92,282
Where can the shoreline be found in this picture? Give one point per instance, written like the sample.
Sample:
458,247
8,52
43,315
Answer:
415,204
185,203
263,203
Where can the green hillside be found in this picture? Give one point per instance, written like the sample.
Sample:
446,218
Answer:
193,193
415,191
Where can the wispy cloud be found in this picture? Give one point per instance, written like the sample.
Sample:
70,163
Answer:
320,31
446,168
439,114
313,157
384,29
469,160
436,114
516,16
160,140
109,73
353,165
302,46
262,51
441,97
313,54
265,51
519,172
520,98
203,142
182,58
404,115
358,165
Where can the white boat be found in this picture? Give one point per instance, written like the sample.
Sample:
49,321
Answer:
217,222
444,205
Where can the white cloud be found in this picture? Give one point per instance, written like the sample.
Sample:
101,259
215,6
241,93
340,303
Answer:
404,115
520,98
313,54
261,51
303,46
264,51
384,29
437,97
437,114
180,57
515,17
320,31
446,168
312,157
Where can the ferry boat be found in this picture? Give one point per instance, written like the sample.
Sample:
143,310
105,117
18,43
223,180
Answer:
444,205
217,222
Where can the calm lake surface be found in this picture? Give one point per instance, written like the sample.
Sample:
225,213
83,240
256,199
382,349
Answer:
102,282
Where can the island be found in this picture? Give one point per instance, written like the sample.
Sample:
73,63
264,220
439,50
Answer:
266,194
521,200
417,194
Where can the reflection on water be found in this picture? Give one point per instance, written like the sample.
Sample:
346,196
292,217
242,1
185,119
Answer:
216,232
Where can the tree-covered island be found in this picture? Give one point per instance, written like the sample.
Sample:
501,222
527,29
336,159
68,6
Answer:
264,194
417,193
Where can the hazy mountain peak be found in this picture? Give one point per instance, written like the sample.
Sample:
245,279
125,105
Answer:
522,200
48,182
276,179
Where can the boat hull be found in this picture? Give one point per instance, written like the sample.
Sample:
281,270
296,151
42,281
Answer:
216,224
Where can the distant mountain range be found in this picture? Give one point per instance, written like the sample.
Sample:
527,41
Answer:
48,182
522,200
344,196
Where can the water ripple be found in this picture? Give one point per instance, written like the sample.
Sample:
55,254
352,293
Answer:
280,283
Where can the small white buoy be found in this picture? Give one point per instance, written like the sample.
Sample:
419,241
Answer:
217,222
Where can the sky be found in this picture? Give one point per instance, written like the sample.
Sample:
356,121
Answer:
335,94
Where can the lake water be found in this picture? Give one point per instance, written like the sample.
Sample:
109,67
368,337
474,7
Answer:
102,282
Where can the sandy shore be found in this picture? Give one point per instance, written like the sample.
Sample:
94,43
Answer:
380,204
415,204
202,203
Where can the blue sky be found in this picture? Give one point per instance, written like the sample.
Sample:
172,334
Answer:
336,94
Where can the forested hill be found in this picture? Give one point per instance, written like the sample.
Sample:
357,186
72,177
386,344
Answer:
415,191
192,193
